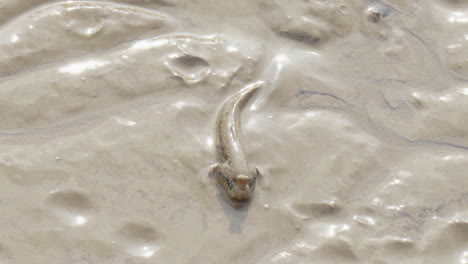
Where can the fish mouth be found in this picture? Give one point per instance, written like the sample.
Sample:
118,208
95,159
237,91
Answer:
239,202
239,196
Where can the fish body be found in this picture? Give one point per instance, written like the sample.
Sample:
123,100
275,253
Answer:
233,172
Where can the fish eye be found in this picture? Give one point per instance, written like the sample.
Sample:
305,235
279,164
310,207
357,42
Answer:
228,182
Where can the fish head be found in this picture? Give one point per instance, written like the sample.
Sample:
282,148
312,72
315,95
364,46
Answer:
238,188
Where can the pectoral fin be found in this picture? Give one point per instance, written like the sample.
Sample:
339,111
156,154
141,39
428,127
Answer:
265,181
213,170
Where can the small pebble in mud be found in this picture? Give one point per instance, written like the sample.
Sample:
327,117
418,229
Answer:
376,13
373,14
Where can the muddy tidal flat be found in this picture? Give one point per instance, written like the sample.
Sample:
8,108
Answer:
358,132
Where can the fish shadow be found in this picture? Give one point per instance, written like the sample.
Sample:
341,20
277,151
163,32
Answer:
236,212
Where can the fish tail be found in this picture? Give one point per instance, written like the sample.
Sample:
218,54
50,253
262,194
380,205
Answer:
248,91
